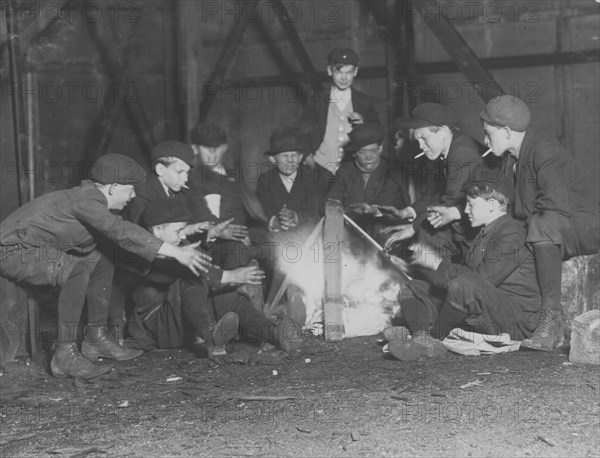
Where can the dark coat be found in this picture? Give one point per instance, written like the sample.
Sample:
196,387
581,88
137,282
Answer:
152,191
306,198
445,179
548,182
385,186
63,227
316,109
204,181
499,255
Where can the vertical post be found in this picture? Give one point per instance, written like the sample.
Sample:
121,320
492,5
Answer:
333,243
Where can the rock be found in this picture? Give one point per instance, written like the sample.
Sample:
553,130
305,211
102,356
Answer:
580,287
585,338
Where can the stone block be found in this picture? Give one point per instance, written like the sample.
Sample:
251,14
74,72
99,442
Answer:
580,287
585,338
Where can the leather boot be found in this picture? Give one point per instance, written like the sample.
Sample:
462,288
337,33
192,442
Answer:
97,345
549,333
67,361
396,333
288,336
115,331
420,345
225,330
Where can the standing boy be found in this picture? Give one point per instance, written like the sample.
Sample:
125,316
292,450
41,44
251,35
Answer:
332,114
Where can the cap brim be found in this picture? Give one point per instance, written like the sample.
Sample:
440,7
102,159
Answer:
413,123
483,115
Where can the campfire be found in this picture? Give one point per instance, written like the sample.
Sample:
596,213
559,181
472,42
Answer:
369,290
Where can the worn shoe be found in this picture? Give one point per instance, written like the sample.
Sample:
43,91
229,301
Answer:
396,333
67,361
419,346
225,330
549,333
97,344
116,331
288,336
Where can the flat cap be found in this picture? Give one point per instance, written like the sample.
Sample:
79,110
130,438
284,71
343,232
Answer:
507,110
344,56
288,138
208,134
165,211
363,135
116,168
426,115
172,148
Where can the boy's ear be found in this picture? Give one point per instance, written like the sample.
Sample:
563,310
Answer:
156,231
329,70
159,169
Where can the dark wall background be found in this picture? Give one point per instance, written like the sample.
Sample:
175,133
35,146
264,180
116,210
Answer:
153,58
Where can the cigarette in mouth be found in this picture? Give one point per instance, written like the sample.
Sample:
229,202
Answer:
419,155
184,187
487,152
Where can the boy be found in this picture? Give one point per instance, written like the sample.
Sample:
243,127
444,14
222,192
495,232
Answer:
332,116
167,300
551,197
453,159
493,292
291,194
367,182
53,240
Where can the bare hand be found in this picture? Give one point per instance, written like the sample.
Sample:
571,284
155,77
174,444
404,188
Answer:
228,231
249,274
198,228
425,256
439,216
194,259
365,209
288,219
355,118
399,233
404,214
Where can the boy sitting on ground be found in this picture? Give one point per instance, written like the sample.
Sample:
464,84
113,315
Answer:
494,292
167,300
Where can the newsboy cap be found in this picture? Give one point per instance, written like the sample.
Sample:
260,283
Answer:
165,211
208,134
426,115
287,139
116,168
363,135
344,56
507,110
172,148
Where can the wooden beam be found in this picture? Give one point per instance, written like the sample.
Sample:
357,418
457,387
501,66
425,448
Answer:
333,245
229,48
462,54
525,61
292,35
36,25
16,102
135,112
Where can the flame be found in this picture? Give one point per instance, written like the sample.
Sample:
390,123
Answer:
368,288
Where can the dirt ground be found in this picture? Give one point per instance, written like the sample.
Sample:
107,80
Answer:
329,399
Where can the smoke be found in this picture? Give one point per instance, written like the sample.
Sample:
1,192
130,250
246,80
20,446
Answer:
369,289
